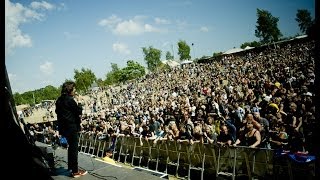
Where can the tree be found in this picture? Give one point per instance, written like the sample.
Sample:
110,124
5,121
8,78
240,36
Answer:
34,97
169,56
184,50
112,77
251,44
216,54
133,70
84,79
100,82
267,27
303,17
152,57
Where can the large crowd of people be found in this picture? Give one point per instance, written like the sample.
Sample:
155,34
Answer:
260,98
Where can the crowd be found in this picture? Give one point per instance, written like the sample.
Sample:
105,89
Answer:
261,98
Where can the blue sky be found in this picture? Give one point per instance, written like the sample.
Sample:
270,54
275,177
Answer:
47,40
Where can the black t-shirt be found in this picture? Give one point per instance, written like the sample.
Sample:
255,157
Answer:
222,137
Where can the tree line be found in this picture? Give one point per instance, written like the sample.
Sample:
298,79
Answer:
266,31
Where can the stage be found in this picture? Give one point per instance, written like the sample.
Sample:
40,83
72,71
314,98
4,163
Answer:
99,169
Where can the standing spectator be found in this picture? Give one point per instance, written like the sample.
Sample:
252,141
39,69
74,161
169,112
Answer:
224,138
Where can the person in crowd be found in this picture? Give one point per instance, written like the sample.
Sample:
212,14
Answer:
279,138
264,129
68,116
224,138
250,137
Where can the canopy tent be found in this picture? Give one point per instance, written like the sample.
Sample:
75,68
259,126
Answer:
248,47
233,50
186,62
302,36
171,63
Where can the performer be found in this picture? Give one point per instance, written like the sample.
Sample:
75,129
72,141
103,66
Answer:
69,119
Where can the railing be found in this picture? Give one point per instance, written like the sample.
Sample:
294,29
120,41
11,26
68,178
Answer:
208,159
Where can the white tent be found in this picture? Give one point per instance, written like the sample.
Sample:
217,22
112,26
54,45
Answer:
171,63
233,50
302,36
248,47
186,62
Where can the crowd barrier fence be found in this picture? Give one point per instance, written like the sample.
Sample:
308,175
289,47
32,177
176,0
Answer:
205,158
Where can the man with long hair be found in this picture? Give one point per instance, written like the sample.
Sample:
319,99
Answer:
69,119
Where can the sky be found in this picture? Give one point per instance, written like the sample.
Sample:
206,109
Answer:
45,41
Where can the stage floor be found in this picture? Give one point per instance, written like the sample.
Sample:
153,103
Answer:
97,169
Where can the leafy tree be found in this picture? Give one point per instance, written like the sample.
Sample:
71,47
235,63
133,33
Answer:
112,77
169,56
49,93
152,57
133,70
100,82
114,67
84,79
251,44
216,54
184,50
303,17
267,27
36,96
19,99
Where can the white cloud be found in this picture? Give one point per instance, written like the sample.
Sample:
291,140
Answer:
42,5
134,26
16,15
121,48
150,28
129,28
47,68
110,22
204,29
161,21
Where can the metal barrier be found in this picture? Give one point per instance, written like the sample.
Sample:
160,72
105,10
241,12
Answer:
207,158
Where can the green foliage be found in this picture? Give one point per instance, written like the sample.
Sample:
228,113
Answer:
303,17
100,82
267,27
169,56
152,57
36,96
216,54
84,79
184,50
133,70
251,44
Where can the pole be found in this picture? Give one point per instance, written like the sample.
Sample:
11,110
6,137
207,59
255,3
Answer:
34,99
194,54
172,51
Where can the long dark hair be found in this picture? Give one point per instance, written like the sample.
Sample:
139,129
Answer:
67,87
